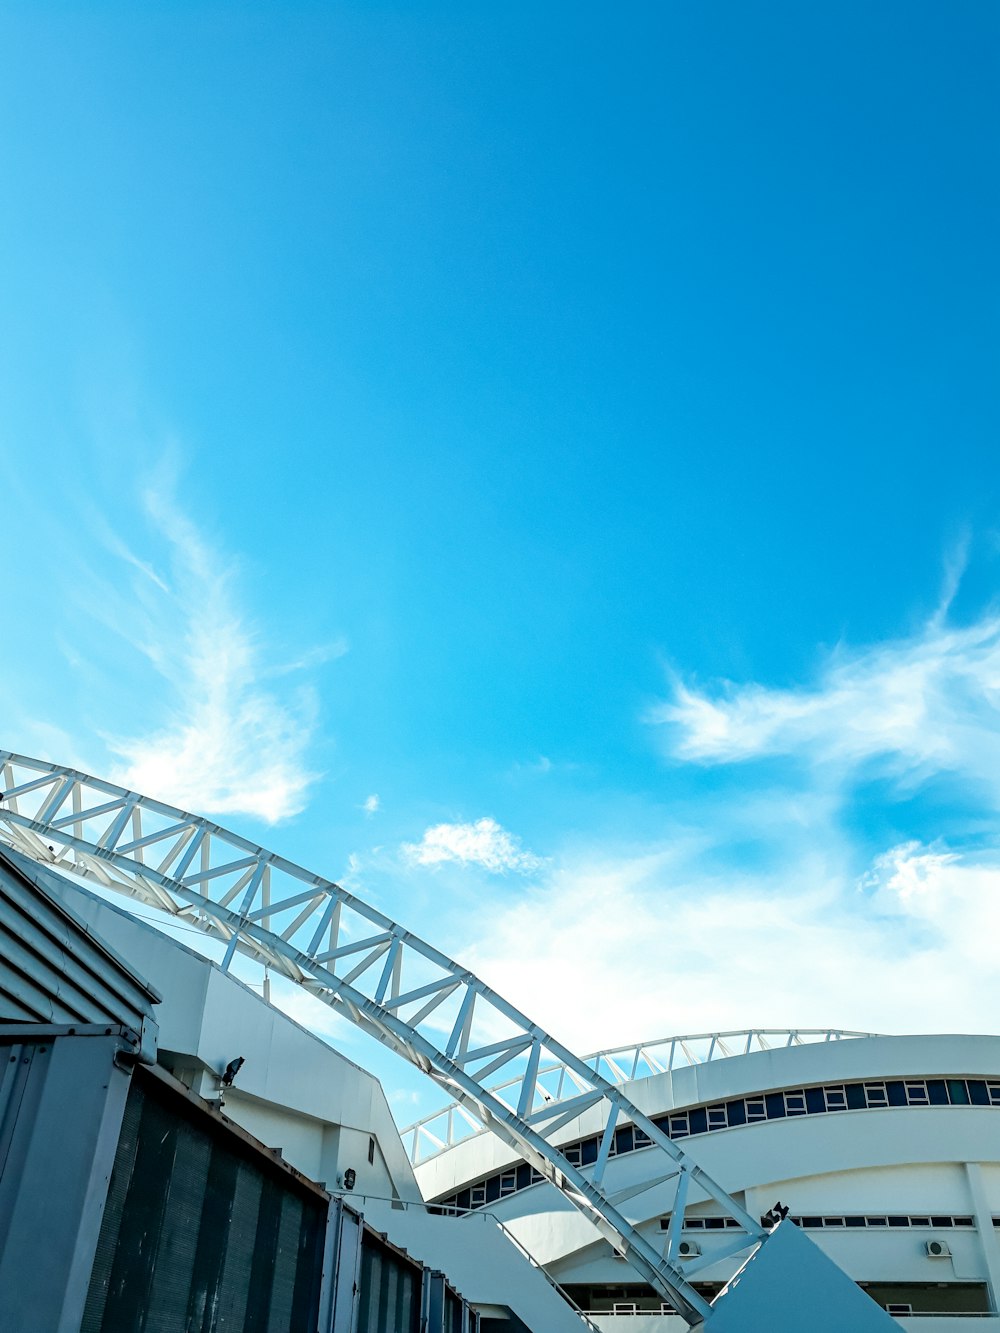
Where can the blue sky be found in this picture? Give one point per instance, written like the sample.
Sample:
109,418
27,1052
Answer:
536,465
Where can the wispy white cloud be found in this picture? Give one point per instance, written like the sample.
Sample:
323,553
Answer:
228,743
370,805
928,703
484,843
630,948
770,907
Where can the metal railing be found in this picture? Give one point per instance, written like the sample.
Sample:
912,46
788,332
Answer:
440,1130
408,1205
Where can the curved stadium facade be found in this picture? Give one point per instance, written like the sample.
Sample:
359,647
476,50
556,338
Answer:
885,1149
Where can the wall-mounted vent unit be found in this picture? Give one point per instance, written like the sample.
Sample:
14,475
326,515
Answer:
937,1249
687,1249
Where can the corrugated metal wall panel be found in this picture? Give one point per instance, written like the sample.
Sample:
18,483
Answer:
53,969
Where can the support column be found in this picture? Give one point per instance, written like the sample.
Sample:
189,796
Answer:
989,1241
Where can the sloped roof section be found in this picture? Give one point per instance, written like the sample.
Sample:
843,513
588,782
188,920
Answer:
54,969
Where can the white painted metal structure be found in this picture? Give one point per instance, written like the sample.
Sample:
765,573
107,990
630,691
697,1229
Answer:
389,982
441,1130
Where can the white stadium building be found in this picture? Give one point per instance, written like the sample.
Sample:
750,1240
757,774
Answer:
178,1153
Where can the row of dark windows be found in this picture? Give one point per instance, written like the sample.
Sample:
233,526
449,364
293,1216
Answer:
898,1298
781,1105
840,1221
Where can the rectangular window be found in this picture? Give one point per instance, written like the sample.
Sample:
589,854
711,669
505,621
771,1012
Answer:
717,1117
937,1093
679,1126
958,1093
795,1103
642,1139
755,1109
478,1195
833,1221
896,1092
508,1183
877,1221
836,1099
815,1101
856,1097
899,1221
876,1095
916,1093
698,1120
978,1092
371,1151
775,1104
962,1221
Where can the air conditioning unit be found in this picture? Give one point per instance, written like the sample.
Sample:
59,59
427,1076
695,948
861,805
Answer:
687,1249
937,1249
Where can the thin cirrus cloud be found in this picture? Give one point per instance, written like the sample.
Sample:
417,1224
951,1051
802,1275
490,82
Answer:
770,908
670,949
228,743
927,703
484,843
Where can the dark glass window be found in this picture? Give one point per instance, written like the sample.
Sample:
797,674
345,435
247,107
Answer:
698,1118
775,1103
813,1222
899,1221
896,1092
815,1101
937,1093
854,1221
856,1100
736,1112
978,1094
958,1093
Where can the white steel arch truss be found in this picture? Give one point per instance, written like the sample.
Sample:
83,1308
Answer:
386,980
442,1129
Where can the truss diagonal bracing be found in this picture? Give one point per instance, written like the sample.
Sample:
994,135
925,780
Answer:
386,980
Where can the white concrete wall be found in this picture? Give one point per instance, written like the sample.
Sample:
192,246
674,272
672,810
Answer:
294,1092
481,1262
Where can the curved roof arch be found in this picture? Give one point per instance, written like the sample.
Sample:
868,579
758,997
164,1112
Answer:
385,979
